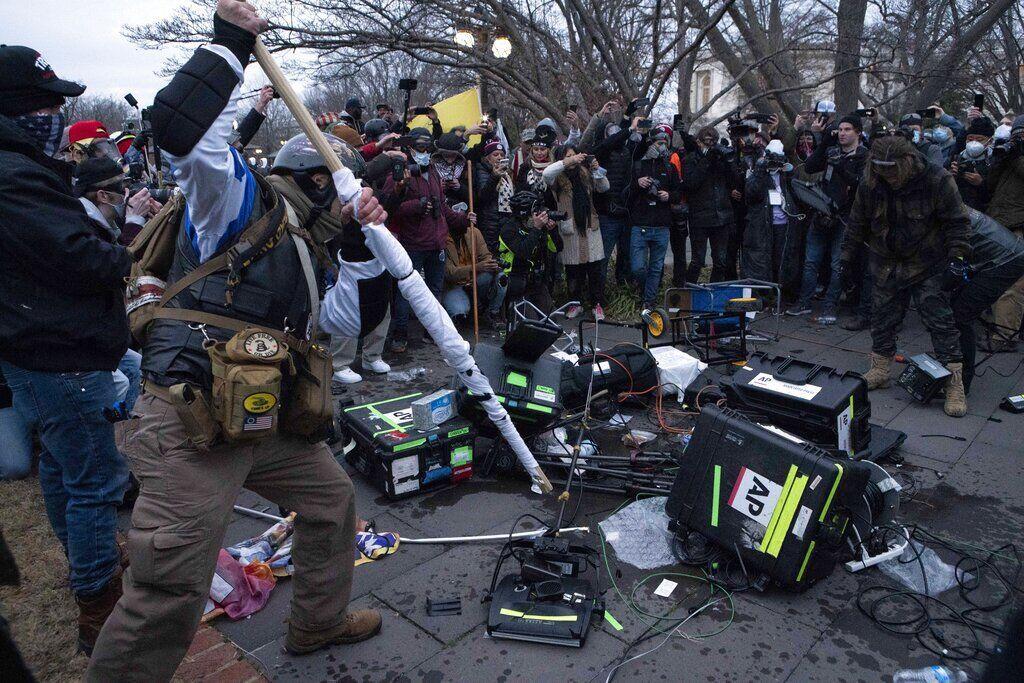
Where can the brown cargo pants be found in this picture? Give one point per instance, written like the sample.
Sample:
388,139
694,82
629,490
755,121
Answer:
178,526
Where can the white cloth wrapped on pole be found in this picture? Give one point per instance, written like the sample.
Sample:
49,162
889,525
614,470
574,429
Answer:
438,324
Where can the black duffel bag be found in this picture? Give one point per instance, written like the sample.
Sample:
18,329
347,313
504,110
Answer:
623,368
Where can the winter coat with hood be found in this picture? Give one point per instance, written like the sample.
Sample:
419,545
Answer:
581,241
615,154
911,230
61,273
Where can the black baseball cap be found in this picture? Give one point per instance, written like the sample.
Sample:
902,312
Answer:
354,102
28,83
98,174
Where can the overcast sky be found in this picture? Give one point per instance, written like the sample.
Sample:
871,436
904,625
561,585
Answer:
82,41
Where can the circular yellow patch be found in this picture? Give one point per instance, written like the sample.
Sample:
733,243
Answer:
260,403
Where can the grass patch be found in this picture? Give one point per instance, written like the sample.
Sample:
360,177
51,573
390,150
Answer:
41,611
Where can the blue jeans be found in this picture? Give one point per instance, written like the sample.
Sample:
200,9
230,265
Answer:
489,290
817,245
647,248
430,263
615,233
82,476
15,445
128,378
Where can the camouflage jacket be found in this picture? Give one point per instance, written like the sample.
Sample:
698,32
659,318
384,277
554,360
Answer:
912,230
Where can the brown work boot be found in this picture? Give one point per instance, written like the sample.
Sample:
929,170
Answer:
878,376
956,399
356,627
93,612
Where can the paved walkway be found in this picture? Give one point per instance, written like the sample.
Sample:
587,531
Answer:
965,488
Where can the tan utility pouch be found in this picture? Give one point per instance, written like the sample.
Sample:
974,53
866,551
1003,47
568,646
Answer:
194,413
246,388
309,410
152,252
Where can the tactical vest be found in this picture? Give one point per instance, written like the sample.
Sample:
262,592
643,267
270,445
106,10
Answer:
271,291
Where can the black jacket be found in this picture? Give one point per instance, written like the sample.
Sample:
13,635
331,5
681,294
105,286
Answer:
616,157
708,180
842,172
759,237
644,207
485,195
61,276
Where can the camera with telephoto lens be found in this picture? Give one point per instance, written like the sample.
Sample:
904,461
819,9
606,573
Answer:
161,194
399,167
431,206
654,188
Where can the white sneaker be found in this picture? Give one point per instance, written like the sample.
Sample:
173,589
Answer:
347,376
378,366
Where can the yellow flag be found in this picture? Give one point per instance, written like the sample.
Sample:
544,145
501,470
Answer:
458,110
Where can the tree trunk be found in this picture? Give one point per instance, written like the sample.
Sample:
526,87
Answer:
850,30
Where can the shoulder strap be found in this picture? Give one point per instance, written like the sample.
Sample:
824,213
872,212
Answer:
302,249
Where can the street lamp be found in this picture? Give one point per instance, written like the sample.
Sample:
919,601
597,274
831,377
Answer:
464,37
502,47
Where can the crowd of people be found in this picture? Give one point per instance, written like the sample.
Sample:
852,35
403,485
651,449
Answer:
240,264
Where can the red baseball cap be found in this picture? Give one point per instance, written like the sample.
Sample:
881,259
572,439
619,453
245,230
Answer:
86,131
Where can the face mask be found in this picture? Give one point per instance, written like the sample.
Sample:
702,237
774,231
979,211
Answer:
804,148
917,136
44,129
421,158
940,136
119,206
975,149
612,130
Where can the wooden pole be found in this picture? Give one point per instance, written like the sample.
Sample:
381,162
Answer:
472,249
283,87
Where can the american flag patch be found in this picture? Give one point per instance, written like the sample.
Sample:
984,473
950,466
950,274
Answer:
253,424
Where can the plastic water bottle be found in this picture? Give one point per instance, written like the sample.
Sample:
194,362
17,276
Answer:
930,674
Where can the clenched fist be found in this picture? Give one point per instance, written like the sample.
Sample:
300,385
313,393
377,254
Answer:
242,15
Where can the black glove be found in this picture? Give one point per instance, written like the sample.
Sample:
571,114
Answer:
829,138
689,142
956,275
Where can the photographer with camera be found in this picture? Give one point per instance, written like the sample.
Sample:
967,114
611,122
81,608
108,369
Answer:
913,125
421,222
971,166
649,197
771,216
709,179
63,330
840,158
574,179
107,196
1006,183
493,189
527,251
607,138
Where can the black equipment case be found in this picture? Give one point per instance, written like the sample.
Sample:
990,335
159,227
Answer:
529,390
815,402
781,503
400,460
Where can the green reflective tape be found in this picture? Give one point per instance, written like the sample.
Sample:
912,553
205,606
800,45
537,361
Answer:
612,620
832,493
715,493
803,565
796,492
380,403
458,432
774,521
406,446
543,409
516,379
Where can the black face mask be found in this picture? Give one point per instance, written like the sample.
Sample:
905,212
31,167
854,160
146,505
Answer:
320,197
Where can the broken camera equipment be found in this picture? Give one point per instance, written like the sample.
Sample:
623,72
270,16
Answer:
549,600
